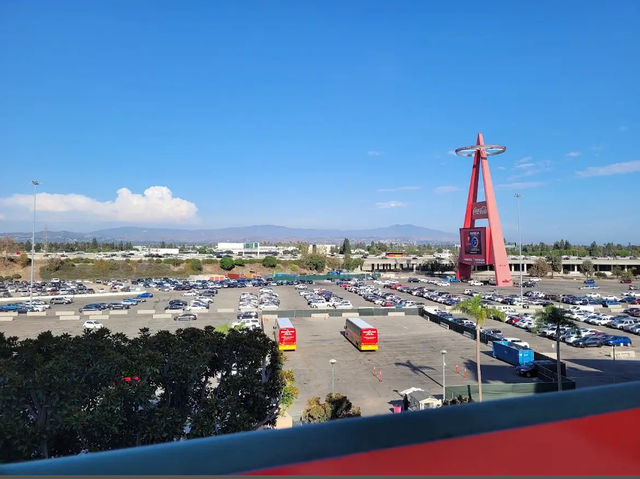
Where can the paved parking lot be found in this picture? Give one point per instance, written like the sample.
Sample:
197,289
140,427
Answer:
409,353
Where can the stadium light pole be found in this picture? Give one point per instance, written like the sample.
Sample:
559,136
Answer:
333,375
444,380
518,195
35,184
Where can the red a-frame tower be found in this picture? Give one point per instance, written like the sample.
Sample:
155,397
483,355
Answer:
482,245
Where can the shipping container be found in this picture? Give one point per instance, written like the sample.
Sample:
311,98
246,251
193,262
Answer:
512,353
234,275
217,277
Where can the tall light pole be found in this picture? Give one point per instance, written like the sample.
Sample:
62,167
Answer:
444,377
518,195
35,184
333,375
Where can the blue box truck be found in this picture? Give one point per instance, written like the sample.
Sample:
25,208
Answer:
512,353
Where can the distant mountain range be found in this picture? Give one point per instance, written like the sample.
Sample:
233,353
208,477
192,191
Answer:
272,233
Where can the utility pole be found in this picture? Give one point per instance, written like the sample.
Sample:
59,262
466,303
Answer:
518,195
35,184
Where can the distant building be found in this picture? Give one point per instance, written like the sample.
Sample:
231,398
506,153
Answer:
248,249
320,248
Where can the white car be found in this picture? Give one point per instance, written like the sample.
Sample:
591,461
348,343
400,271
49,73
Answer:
190,293
92,324
473,282
251,323
343,305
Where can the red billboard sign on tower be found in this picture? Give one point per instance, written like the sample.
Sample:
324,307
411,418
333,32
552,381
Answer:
484,245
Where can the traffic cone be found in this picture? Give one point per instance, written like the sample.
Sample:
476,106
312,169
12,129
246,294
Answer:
374,370
465,372
380,377
457,369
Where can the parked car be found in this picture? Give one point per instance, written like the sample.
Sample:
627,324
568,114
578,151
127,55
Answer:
60,300
92,324
145,295
185,317
613,340
590,342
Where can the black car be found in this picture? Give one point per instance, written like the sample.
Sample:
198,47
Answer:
530,369
590,342
413,280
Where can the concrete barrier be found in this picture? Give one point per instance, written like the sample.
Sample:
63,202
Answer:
146,311
69,317
621,353
269,317
162,316
119,312
6,318
352,315
65,313
9,313
226,310
36,313
320,315
395,313
99,316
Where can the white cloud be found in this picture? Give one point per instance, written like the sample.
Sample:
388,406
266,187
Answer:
446,189
391,204
500,168
623,128
399,188
520,185
155,205
451,152
574,154
374,153
597,148
524,159
612,169
525,165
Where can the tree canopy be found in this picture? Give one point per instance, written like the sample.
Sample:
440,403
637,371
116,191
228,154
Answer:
60,395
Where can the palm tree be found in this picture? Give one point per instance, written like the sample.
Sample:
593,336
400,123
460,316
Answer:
552,316
474,308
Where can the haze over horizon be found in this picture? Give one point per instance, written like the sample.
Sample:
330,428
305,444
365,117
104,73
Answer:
319,115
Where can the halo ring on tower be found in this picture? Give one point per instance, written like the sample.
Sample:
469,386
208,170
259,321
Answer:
490,150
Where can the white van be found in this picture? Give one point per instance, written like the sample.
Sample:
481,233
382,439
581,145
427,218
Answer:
505,309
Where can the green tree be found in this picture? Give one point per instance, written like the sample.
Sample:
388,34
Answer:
540,268
626,276
587,268
227,263
616,271
555,262
315,262
24,260
473,307
553,316
346,247
193,266
269,262
99,391
336,406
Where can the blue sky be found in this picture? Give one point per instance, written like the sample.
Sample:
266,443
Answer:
319,114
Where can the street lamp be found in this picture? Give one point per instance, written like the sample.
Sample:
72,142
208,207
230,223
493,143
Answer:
518,195
35,184
333,375
444,380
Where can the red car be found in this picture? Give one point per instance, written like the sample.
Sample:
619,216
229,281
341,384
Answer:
625,281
